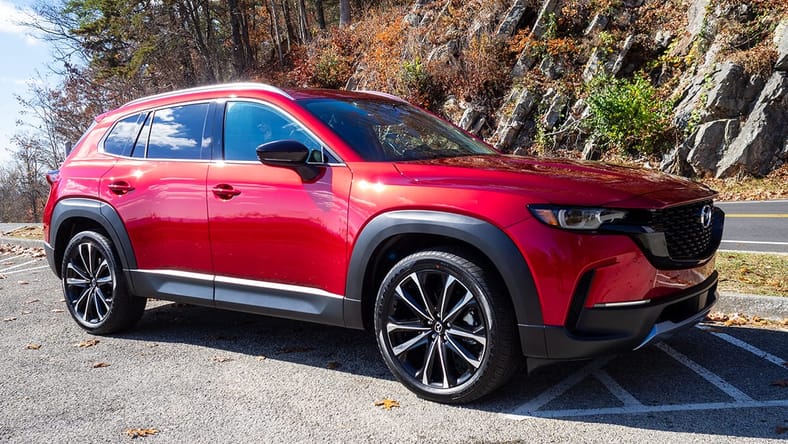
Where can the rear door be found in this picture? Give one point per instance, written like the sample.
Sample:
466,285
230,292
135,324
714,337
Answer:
158,188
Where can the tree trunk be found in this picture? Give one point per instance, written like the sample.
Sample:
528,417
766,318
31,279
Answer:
303,23
344,12
277,39
321,18
239,52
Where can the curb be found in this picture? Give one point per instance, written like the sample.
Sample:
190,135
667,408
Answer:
770,307
27,243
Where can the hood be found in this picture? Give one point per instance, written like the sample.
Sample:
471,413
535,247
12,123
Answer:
558,181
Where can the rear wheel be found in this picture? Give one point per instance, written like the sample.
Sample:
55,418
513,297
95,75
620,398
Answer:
94,287
444,327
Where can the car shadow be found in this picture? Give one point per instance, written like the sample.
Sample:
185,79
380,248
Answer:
672,397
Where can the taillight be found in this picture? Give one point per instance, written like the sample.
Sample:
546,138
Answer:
53,176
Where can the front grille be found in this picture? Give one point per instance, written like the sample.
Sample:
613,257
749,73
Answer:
686,237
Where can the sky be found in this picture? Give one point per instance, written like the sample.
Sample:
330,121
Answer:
24,57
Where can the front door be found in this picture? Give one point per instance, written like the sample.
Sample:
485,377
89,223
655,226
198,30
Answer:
278,243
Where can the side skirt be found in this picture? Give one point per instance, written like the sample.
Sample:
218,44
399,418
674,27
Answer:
244,295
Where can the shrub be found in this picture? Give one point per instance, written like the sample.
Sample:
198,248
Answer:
628,115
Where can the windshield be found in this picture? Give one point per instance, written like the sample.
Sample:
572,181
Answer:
382,130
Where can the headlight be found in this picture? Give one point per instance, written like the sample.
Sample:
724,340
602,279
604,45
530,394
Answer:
576,218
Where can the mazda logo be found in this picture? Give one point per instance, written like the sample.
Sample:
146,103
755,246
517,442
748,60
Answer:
705,216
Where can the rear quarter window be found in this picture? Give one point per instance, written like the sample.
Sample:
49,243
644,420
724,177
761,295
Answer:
121,138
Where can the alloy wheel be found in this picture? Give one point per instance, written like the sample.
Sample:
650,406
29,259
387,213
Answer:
436,329
89,284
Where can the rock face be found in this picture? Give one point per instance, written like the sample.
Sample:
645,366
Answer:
731,110
762,144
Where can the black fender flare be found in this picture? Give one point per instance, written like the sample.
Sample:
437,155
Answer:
487,238
99,212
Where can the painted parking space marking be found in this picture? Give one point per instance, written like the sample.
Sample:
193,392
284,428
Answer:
712,378
33,270
750,348
530,407
615,388
17,266
628,403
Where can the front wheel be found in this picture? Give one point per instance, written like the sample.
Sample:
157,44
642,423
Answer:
445,328
94,288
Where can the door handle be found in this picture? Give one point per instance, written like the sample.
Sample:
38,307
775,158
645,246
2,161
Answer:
120,187
225,191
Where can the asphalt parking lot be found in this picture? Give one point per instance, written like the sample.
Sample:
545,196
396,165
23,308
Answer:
201,375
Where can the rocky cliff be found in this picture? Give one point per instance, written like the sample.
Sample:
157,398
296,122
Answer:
712,76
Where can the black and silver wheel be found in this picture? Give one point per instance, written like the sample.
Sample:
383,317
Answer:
94,288
444,328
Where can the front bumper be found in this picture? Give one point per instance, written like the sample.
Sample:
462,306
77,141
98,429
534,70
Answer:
599,331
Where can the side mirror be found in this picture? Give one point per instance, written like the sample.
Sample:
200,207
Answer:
288,154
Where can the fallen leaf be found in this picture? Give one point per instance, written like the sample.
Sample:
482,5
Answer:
31,301
780,383
221,359
101,364
33,346
780,430
141,433
9,319
387,404
260,358
26,312
88,343
22,282
153,345
717,317
295,349
333,365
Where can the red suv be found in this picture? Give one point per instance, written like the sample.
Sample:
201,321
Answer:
360,210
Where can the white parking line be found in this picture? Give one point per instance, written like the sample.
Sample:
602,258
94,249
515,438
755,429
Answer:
753,242
530,408
615,388
17,266
715,380
628,410
26,270
750,348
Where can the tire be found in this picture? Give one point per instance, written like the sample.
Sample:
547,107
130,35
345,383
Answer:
94,287
445,329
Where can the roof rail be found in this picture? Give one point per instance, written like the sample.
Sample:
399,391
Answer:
382,94
209,88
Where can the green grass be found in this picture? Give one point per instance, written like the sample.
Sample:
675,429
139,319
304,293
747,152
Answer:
751,273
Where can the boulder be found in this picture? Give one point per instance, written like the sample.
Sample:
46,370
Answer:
724,98
511,21
762,143
555,112
542,21
708,143
781,42
509,128
598,23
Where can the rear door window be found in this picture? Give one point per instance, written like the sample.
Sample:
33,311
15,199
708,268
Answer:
179,133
